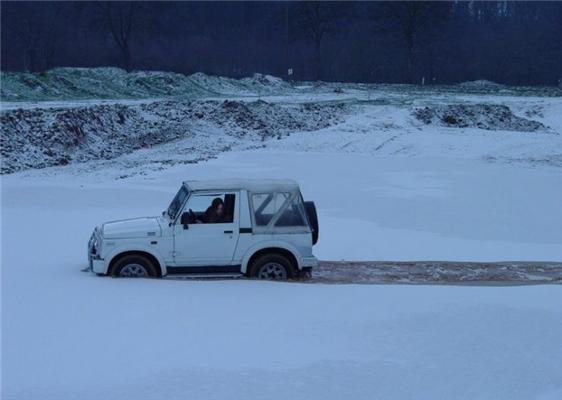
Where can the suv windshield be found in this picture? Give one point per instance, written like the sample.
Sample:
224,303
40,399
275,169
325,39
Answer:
176,204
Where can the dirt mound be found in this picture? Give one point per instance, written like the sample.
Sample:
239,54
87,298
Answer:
481,84
38,138
482,116
115,83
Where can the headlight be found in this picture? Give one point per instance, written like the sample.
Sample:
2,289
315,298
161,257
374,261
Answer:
94,243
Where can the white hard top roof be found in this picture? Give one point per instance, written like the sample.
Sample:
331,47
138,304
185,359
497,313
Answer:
251,185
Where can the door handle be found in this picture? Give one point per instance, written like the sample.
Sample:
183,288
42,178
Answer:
229,232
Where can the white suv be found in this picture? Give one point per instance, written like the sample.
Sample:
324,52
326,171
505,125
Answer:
260,228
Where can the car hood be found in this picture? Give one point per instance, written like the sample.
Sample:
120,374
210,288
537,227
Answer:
132,228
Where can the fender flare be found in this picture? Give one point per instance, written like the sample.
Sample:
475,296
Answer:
137,247
274,244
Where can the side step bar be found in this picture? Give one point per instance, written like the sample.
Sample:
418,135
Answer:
208,276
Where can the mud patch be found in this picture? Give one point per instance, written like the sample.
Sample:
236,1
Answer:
439,272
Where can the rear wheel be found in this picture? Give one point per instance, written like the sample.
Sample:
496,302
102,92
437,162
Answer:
272,267
133,266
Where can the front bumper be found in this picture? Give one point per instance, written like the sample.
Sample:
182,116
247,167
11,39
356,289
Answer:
96,265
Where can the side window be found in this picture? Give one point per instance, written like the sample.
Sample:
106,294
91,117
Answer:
217,208
267,205
293,215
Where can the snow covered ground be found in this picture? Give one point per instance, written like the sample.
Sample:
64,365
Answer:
388,186
69,334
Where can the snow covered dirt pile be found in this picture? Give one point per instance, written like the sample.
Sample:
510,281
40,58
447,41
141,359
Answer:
95,83
482,116
38,138
115,83
256,84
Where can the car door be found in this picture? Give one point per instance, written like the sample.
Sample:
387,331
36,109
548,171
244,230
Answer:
202,244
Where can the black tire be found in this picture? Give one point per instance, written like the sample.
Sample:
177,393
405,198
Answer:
310,208
268,266
136,260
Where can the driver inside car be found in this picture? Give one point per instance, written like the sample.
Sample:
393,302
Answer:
215,212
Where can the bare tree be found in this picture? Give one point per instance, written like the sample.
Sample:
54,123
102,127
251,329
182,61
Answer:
38,37
119,18
411,19
316,19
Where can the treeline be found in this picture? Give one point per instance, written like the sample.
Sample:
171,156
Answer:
414,41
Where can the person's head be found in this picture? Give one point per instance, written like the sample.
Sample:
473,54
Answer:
218,205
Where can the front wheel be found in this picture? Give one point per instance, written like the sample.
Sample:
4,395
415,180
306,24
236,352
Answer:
133,266
272,267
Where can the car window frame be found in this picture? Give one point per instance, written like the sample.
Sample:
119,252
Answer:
235,217
270,227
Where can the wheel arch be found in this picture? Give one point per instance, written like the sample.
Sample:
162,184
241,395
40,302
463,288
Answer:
252,255
160,266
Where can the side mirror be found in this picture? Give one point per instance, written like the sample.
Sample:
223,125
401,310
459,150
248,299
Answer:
185,220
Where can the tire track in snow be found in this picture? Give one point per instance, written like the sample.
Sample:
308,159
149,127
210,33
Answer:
437,272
